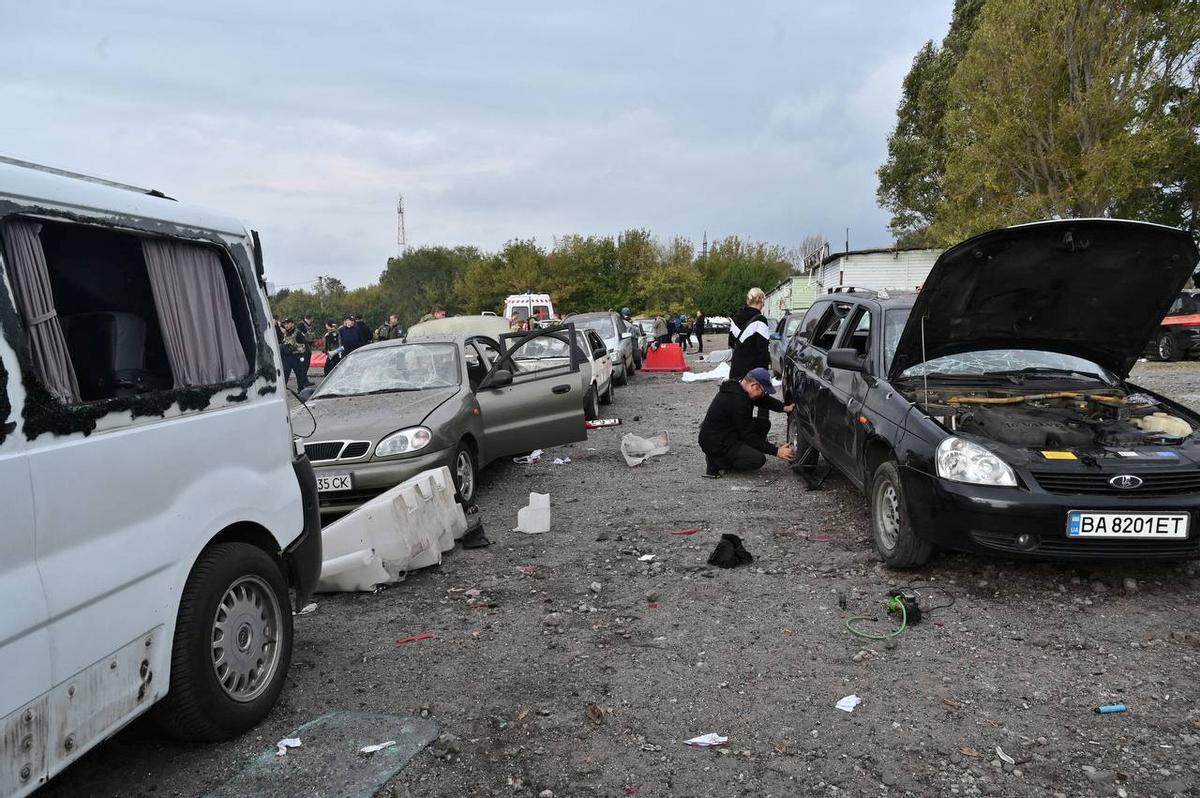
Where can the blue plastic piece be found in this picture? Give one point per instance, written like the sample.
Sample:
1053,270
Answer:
1109,708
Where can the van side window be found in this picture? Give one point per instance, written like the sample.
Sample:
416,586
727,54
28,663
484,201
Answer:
111,314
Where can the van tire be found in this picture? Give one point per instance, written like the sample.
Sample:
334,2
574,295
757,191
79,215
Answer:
892,531
197,707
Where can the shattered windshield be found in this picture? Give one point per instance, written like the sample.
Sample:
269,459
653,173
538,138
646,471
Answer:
410,367
1019,362
542,347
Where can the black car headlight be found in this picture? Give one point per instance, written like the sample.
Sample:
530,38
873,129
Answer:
405,441
963,461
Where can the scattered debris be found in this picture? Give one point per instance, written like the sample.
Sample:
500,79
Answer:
707,740
821,538
595,587
967,750
528,570
636,450
307,609
848,703
1110,708
730,553
414,638
601,423
370,749
598,713
647,557
562,460
553,619
691,531
534,518
530,459
283,745
1005,758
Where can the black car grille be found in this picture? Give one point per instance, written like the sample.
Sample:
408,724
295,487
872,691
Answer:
323,451
1163,482
356,449
1090,549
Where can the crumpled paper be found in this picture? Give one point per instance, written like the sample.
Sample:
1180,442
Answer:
636,449
707,740
848,703
283,745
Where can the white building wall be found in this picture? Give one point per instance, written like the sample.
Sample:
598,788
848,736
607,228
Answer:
878,270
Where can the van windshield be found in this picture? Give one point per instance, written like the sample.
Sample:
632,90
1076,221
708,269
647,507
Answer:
386,369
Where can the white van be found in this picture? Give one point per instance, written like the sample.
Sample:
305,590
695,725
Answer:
156,511
527,305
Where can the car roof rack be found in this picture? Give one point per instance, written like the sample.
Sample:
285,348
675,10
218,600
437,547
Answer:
850,289
152,192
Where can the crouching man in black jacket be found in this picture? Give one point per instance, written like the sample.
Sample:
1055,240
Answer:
730,436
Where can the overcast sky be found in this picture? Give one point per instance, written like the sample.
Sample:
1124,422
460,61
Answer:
497,120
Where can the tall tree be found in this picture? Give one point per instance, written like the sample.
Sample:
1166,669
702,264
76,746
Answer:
910,180
733,267
1071,108
424,277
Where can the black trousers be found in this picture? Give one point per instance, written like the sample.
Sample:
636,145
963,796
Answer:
746,457
295,364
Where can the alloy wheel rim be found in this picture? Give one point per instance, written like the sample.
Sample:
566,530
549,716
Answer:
245,638
466,475
887,513
1164,348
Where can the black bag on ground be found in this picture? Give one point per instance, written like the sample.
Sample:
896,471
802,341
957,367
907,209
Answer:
730,553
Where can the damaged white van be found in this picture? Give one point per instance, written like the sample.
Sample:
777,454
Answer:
158,521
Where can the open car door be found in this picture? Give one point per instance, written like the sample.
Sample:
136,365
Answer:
532,398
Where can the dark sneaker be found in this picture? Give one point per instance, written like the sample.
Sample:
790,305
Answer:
711,471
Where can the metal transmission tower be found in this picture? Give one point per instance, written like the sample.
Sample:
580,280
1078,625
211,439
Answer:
401,238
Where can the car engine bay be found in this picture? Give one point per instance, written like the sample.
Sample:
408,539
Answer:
1057,420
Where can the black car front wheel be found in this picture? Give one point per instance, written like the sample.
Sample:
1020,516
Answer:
891,527
1166,348
465,473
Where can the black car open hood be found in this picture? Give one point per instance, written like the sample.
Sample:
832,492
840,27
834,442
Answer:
1093,288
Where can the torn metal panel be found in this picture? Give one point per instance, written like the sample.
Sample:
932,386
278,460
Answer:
406,528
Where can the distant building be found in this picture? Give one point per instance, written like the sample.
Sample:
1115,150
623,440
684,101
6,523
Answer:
893,269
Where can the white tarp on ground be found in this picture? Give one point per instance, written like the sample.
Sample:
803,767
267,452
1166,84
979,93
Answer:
636,449
404,529
721,372
717,356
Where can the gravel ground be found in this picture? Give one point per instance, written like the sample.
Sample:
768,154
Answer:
578,669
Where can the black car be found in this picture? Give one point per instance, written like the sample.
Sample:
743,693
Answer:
991,413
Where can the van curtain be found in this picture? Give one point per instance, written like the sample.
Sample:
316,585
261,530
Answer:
194,313
35,300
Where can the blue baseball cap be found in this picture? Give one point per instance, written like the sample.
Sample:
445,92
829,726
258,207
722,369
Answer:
763,378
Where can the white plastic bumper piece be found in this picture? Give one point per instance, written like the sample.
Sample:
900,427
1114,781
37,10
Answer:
404,529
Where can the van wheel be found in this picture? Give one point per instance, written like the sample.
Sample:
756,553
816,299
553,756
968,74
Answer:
1166,348
606,398
464,473
891,528
591,404
232,646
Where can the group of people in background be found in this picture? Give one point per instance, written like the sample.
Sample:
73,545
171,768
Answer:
680,329
296,341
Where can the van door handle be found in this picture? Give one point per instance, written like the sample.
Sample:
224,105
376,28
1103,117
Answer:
561,389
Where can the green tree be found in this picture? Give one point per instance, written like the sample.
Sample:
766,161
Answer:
733,267
424,277
1071,108
520,266
671,285
910,180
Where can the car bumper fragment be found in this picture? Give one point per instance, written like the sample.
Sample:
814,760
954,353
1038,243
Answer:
373,478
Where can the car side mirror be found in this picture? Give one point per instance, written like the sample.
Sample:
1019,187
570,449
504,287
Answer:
497,379
307,393
847,359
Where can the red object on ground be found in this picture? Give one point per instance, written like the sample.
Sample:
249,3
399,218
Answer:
691,531
318,360
414,638
821,538
666,357
652,605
